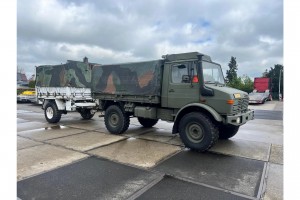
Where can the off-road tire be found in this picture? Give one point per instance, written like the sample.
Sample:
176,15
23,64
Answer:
198,132
86,114
52,114
227,131
116,120
146,122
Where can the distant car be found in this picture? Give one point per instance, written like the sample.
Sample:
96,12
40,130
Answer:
27,96
257,97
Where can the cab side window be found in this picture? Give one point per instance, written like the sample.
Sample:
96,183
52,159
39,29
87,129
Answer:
184,73
178,72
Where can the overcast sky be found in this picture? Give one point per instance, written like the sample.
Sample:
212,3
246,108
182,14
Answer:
107,31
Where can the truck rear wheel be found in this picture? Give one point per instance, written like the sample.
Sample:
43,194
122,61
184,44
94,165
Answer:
227,131
197,131
86,114
146,122
116,120
52,114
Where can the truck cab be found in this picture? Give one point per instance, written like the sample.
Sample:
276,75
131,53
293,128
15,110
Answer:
192,83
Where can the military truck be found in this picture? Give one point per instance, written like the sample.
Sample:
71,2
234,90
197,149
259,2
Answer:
187,89
64,88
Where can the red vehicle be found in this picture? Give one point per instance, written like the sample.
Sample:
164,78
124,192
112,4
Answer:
262,84
262,91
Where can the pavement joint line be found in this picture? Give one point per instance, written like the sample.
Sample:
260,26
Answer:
137,166
78,128
104,145
263,181
146,139
219,153
55,145
43,172
146,188
29,146
167,157
210,186
85,131
121,163
269,152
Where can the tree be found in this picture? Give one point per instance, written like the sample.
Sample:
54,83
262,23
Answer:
242,83
274,74
231,74
31,84
264,75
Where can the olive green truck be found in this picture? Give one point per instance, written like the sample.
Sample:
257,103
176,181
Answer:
187,89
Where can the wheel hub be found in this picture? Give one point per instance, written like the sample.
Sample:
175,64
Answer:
194,133
114,119
49,112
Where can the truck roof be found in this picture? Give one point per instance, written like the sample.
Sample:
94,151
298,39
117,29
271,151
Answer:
187,56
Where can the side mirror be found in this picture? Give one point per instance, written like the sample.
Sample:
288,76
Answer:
186,79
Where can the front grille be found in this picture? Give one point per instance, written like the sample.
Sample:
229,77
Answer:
241,105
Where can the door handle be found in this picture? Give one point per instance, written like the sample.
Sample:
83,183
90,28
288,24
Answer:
171,90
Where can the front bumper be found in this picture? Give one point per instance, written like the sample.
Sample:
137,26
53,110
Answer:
240,119
255,101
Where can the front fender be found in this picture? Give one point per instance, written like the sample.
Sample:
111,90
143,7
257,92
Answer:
194,107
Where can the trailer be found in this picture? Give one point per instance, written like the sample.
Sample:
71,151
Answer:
65,88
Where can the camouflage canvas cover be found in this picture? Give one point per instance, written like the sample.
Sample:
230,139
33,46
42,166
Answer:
72,74
143,78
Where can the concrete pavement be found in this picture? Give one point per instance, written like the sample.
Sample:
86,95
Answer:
79,159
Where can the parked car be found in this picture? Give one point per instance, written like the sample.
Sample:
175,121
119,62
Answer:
259,97
27,96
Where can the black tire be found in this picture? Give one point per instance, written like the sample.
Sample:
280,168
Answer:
146,122
116,120
198,132
227,131
52,114
86,114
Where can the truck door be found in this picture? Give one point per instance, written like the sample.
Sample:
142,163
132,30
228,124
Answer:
183,87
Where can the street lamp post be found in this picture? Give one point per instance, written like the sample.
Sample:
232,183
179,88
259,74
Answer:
279,85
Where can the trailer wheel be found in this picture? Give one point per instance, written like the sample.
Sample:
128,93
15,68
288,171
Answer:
227,131
197,131
116,120
52,114
86,114
146,122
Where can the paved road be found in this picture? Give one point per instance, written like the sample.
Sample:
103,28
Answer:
78,159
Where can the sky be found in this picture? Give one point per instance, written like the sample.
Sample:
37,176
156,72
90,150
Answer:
106,31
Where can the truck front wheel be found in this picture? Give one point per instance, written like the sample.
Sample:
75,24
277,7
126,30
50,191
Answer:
86,114
147,123
116,120
52,114
227,131
197,131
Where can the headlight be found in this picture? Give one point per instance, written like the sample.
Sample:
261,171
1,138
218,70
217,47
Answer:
238,120
237,95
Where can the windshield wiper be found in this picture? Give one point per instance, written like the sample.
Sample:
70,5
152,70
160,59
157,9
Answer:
211,82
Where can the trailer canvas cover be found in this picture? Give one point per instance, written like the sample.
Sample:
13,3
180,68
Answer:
143,78
72,74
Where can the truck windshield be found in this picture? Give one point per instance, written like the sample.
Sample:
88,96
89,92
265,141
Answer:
212,73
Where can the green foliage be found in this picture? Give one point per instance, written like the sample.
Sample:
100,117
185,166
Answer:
31,84
274,74
242,83
231,74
